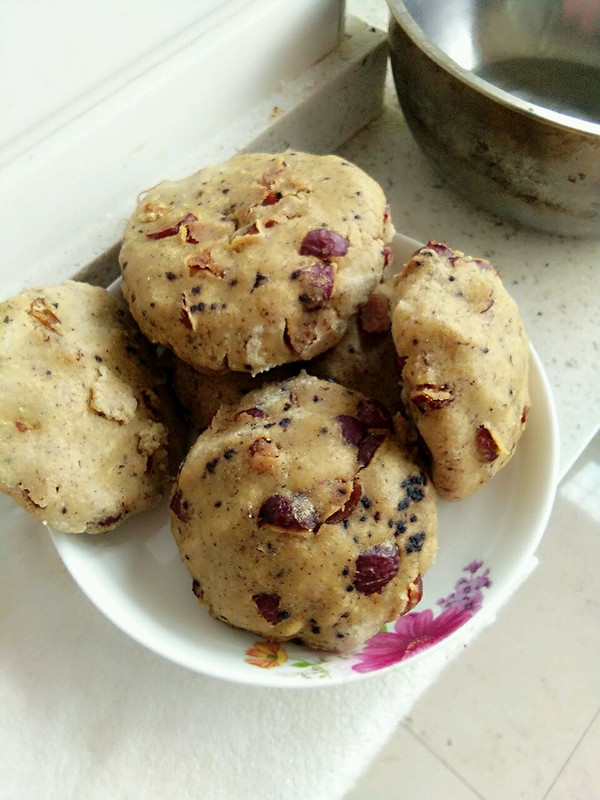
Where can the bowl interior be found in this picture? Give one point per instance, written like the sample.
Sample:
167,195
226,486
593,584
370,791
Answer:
546,52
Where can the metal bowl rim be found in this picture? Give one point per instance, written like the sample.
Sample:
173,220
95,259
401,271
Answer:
406,22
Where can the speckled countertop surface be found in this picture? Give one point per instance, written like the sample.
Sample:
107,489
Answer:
554,279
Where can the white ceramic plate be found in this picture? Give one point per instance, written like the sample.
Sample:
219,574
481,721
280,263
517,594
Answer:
135,577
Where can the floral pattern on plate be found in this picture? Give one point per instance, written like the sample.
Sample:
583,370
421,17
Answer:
395,642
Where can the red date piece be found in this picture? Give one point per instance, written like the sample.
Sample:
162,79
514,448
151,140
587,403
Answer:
293,513
483,264
375,568
203,262
348,507
438,247
487,447
180,507
367,448
173,230
271,199
429,397
374,414
111,520
253,412
415,593
248,230
268,607
324,244
353,430
185,318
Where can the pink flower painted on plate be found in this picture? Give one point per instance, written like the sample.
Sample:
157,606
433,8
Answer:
467,593
413,633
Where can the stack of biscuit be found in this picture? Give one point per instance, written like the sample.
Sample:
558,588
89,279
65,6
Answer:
327,403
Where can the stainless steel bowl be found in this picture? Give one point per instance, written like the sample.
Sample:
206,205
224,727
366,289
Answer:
504,98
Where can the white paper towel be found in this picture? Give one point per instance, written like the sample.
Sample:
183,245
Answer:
87,713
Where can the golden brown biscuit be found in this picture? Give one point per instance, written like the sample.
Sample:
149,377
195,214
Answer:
256,262
298,516
83,440
465,357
